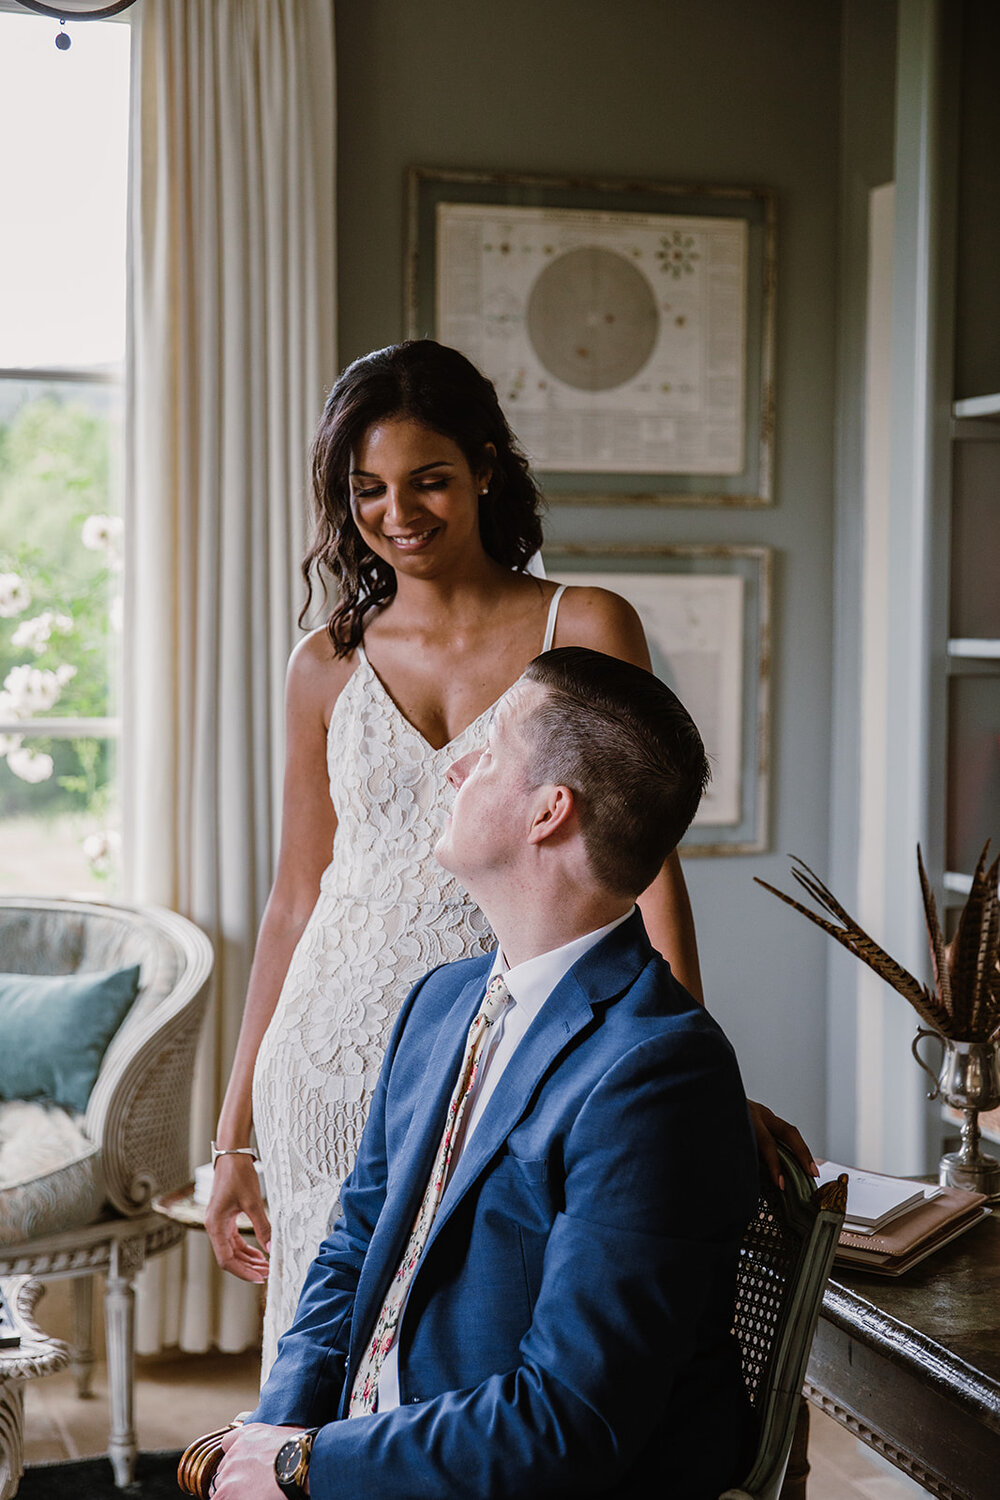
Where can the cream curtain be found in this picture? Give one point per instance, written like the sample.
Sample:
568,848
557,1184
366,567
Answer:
231,351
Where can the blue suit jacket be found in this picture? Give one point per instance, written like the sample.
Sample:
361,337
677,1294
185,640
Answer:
568,1327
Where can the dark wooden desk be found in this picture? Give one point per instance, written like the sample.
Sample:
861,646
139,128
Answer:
912,1365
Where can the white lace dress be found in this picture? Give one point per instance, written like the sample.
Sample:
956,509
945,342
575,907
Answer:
387,912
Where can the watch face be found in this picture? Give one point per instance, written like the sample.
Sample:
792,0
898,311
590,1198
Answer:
288,1461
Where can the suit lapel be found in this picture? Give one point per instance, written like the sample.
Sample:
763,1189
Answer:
600,975
412,1165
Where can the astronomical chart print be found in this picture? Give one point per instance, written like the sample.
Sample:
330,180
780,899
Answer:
617,341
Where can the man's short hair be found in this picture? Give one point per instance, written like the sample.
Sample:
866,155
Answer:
628,750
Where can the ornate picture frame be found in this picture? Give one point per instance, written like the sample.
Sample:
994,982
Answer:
706,611
628,325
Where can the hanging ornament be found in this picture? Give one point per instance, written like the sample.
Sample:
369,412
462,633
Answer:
75,10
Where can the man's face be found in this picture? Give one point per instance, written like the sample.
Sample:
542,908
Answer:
487,829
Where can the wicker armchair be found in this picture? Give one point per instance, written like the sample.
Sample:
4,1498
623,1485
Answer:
137,1117
785,1261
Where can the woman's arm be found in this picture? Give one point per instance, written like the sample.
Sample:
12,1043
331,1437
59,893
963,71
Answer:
308,824
666,911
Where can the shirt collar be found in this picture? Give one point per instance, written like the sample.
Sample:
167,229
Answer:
531,983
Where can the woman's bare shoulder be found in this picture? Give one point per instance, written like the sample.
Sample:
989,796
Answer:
317,675
602,620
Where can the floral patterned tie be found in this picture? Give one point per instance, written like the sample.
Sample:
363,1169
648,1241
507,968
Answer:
365,1389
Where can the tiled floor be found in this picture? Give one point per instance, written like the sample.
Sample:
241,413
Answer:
178,1399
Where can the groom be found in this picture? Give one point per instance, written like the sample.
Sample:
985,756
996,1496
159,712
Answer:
530,1290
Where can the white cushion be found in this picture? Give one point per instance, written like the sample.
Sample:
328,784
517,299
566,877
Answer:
50,1173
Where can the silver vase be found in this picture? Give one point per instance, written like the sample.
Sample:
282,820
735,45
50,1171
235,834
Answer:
969,1079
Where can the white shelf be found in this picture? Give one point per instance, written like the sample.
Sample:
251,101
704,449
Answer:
955,881
987,649
977,406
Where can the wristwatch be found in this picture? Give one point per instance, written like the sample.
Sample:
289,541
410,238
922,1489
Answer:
291,1464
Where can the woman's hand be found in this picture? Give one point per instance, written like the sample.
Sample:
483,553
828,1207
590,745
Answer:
236,1187
770,1128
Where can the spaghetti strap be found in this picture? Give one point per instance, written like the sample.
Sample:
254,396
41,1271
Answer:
550,624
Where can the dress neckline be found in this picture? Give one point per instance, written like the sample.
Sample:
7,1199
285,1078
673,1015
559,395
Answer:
550,626
408,723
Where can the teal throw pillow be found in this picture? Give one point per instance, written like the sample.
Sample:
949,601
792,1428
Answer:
55,1029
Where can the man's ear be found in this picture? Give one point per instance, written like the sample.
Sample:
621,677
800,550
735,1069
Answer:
552,812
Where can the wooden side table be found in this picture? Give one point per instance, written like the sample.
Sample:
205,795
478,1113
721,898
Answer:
37,1354
181,1207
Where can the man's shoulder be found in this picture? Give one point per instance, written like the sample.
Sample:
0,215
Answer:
652,1023
656,1005
626,969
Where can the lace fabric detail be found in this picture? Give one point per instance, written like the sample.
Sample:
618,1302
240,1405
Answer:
386,913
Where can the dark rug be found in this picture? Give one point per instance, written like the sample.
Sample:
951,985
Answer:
92,1479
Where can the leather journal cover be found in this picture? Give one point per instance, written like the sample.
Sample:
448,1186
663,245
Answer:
915,1234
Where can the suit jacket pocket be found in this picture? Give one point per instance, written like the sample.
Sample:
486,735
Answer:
530,1178
535,1169
534,1212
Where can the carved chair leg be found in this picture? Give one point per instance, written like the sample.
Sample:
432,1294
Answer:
119,1323
81,1358
11,1437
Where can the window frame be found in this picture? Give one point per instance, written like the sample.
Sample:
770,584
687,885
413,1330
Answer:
108,727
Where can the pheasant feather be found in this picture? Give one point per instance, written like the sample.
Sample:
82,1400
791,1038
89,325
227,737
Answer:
858,942
942,974
965,1003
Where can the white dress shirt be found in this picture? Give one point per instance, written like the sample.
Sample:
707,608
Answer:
530,985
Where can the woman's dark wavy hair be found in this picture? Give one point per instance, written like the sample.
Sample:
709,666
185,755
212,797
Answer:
439,387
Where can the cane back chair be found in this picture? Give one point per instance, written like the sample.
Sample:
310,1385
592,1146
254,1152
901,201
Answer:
785,1261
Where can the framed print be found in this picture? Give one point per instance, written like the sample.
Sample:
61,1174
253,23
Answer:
706,614
628,326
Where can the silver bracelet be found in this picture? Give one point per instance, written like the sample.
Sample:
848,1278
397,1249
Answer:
218,1151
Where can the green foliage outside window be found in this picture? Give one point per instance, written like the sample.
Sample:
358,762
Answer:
60,565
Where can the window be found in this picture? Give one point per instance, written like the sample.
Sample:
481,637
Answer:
63,170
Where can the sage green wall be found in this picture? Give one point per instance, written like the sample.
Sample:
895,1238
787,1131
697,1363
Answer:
725,91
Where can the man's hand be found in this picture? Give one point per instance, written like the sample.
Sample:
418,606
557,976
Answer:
247,1470
769,1128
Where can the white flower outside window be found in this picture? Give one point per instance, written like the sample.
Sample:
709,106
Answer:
15,595
34,690
30,765
104,534
102,850
34,635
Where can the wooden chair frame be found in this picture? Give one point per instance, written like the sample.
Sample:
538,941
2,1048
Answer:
785,1262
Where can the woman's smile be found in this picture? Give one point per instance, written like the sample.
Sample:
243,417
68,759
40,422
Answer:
412,541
